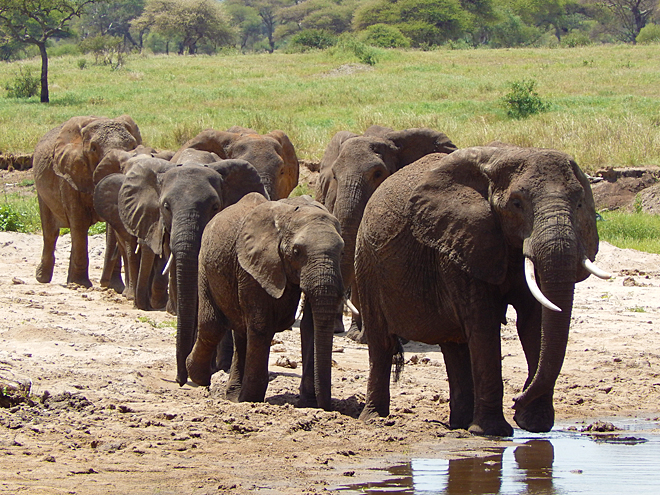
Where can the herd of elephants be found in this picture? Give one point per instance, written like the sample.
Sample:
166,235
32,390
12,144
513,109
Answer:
431,242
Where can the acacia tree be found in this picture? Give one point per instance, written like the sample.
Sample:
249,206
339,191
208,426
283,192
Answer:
112,18
632,14
190,21
36,21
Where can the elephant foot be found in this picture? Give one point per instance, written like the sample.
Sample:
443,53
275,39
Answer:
305,400
201,375
372,412
129,293
537,417
233,392
44,273
82,280
460,421
491,427
158,304
171,307
116,285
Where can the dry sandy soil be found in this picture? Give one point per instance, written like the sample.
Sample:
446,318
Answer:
104,414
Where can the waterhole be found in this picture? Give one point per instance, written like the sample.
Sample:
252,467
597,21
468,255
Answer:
560,462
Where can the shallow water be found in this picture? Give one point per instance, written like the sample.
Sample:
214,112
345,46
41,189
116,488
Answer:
559,462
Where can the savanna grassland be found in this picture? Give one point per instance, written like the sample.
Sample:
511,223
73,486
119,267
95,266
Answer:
604,101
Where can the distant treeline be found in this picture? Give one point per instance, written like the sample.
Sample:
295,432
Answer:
109,28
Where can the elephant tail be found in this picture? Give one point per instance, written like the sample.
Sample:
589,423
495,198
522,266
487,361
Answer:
398,360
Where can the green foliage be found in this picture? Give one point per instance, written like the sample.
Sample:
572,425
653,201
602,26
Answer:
384,36
365,53
575,39
104,48
10,220
97,228
82,63
312,39
302,189
512,31
24,85
522,101
639,231
649,34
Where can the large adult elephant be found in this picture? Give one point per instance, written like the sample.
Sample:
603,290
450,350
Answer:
353,167
64,163
256,258
271,154
447,244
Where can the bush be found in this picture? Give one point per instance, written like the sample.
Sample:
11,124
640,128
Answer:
10,220
384,36
575,39
649,34
24,85
312,39
511,32
522,101
365,53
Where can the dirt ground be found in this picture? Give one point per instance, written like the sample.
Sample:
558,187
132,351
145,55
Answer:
104,414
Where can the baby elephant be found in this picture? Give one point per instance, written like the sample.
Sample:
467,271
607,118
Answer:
256,258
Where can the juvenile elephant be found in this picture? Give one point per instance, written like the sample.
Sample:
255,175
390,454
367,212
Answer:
256,258
271,154
447,244
353,167
167,207
64,163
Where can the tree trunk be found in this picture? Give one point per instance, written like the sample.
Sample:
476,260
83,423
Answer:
44,72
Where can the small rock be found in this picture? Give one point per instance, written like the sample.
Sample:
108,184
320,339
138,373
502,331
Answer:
285,362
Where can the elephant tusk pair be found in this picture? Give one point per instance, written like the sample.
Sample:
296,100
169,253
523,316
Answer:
168,265
594,270
536,291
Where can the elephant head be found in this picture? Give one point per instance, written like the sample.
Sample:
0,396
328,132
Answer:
83,142
161,202
271,154
354,166
493,210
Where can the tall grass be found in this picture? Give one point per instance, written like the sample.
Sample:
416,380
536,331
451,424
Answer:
639,231
603,100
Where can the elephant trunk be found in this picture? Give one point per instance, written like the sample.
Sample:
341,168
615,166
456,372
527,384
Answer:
555,252
185,242
325,292
349,209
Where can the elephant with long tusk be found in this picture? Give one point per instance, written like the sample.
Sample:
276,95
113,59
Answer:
447,244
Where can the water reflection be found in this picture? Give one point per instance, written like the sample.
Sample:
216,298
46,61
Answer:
560,464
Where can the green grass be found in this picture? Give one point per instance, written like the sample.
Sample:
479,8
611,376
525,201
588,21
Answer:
19,213
603,100
639,231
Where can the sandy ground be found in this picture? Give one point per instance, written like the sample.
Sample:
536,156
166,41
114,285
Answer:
105,415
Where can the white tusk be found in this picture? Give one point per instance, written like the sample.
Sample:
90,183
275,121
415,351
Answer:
168,265
534,288
301,306
594,270
352,307
137,249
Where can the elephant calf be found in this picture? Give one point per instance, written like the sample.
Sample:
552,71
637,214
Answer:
256,258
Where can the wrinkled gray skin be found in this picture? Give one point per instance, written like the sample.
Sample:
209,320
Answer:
353,167
271,154
439,258
167,206
120,244
256,258
64,163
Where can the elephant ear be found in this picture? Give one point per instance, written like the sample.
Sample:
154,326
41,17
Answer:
106,199
111,164
139,201
418,142
288,151
239,178
211,140
451,213
69,162
377,130
326,186
258,246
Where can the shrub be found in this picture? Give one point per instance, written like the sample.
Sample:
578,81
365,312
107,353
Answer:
82,63
575,39
522,101
312,39
10,220
365,53
384,36
649,34
24,85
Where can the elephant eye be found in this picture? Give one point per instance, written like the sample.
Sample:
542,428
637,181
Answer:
517,203
215,208
296,251
166,205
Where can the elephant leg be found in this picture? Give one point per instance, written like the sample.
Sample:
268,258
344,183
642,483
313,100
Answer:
538,415
212,327
237,371
111,275
255,379
461,387
143,283
483,330
131,266
159,282
225,353
307,391
79,259
355,332
51,231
